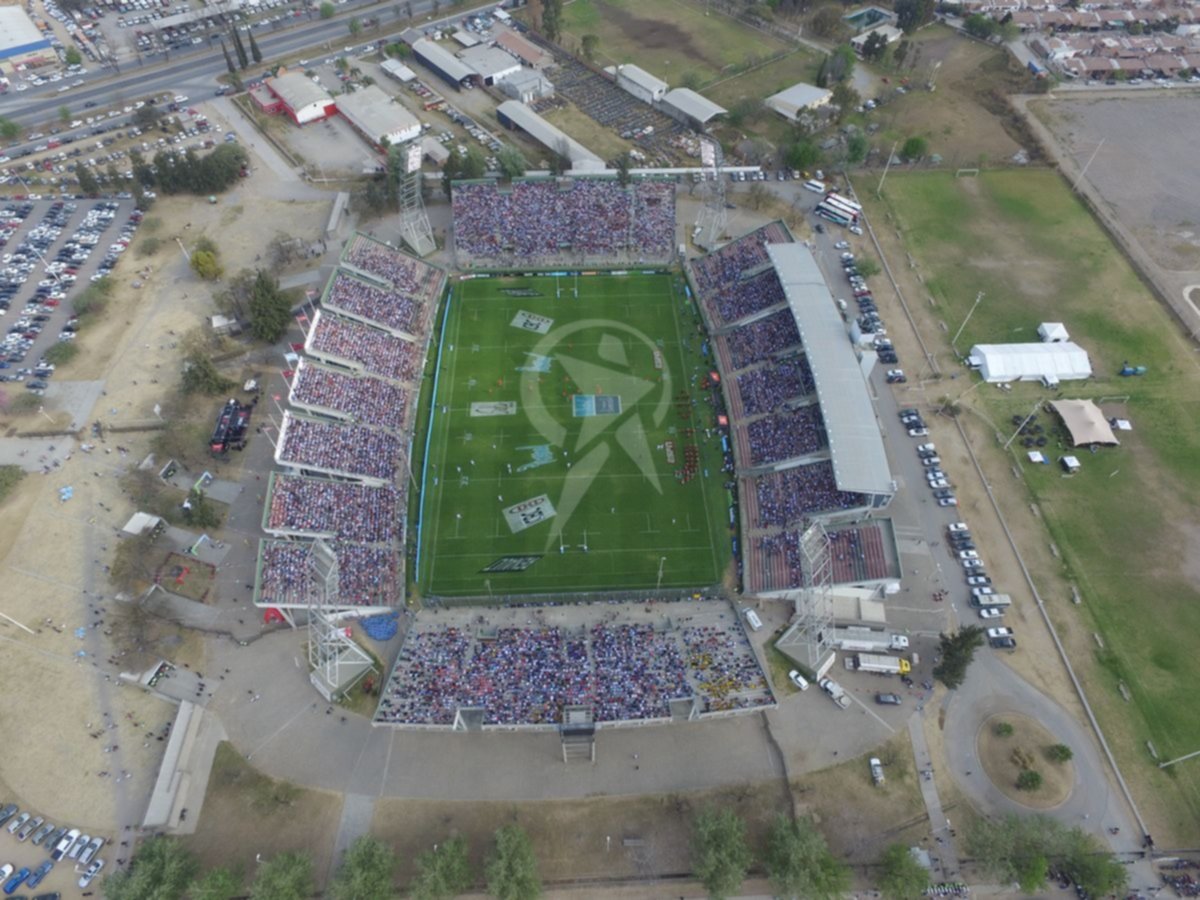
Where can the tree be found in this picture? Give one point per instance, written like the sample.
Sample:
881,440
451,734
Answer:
443,872
512,162
623,164
743,111
472,165
269,308
9,130
1093,868
800,864
228,62
758,196
88,184
216,884
146,117
867,267
408,8
720,856
901,876
200,376
856,149
198,511
840,63
957,651
239,48
1029,780
354,26
287,876
1060,753
73,57
912,14
552,19
366,871
255,53
901,51
874,46
980,26
64,114
590,44
801,155
1004,729
826,21
914,148
1016,848
206,265
327,10
450,170
845,97
162,869
511,870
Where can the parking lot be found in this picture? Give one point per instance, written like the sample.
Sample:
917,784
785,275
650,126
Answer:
51,250
39,854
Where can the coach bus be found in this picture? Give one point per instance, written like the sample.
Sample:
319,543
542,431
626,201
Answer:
838,218
845,201
837,205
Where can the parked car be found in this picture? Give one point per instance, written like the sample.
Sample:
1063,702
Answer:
876,770
64,844
991,612
1003,643
90,851
86,878
29,828
978,579
8,812
918,432
888,699
16,880
896,376
958,528
19,822
39,873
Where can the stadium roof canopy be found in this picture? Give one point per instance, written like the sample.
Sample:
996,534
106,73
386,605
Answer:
18,34
693,105
1085,421
547,135
855,442
1051,362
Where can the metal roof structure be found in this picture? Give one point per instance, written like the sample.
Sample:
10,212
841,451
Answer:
373,112
855,441
693,105
18,34
791,102
446,63
547,135
398,70
643,79
1054,361
490,63
526,51
297,90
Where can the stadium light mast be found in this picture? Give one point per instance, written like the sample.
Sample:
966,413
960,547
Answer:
661,560
966,319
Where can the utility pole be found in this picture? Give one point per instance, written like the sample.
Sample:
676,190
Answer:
1083,171
967,319
887,165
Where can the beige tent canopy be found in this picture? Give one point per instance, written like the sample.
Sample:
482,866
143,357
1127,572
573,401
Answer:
1085,421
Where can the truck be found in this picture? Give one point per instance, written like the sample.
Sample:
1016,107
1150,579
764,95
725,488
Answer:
864,640
835,692
877,664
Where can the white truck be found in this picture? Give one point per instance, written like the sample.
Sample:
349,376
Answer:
864,640
878,664
835,692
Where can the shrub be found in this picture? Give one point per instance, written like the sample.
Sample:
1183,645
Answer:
1029,780
1003,729
1059,753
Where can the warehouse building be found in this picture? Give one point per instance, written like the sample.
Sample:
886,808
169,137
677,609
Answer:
513,114
797,99
444,63
20,40
527,86
524,50
297,95
379,119
491,65
398,70
639,82
692,109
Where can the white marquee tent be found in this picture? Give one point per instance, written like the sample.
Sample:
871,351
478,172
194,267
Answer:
1049,362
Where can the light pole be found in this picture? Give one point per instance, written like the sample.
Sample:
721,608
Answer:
661,560
967,319
186,255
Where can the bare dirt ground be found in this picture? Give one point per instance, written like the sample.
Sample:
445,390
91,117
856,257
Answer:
52,551
1004,757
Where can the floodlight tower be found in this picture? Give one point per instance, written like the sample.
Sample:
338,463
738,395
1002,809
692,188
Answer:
414,221
813,629
714,215
336,661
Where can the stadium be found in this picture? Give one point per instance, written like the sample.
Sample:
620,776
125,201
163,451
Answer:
563,460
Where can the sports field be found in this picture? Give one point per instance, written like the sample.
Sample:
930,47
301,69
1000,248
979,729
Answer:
1127,526
568,448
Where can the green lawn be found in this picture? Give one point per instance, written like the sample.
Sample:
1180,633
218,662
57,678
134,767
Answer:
607,477
1126,526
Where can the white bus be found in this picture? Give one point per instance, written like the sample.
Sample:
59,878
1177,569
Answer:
845,201
840,208
817,187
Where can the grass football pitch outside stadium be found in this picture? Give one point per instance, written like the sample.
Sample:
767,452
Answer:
563,422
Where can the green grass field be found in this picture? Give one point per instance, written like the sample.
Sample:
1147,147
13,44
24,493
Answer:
502,437
1126,526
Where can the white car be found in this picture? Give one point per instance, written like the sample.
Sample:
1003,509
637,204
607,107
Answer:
939,484
181,98
918,432
876,770
991,612
968,554
841,245
90,851
926,448
86,878
76,848
970,563
931,461
934,474
999,633
947,501
5,871
982,591
958,528
854,229
798,680
979,579
64,844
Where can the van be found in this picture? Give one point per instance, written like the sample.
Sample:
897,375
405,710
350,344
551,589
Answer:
798,680
753,620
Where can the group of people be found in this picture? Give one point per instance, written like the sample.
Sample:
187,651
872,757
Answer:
786,498
367,575
744,298
377,351
785,435
388,308
406,274
348,449
349,512
526,675
769,386
726,266
548,219
857,554
761,339
370,401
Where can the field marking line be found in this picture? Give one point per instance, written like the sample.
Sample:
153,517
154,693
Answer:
591,550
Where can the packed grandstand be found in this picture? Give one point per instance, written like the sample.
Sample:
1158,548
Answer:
578,221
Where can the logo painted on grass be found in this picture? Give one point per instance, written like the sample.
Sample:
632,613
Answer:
529,513
626,428
494,408
512,563
528,321
543,455
535,363
586,405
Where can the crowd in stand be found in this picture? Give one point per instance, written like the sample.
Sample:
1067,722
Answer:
400,312
525,676
351,512
349,449
367,576
545,219
786,546
786,498
763,338
785,435
370,401
377,351
727,265
406,274
744,298
767,388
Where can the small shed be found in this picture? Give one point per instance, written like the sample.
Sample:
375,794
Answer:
1053,333
1070,464
140,523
